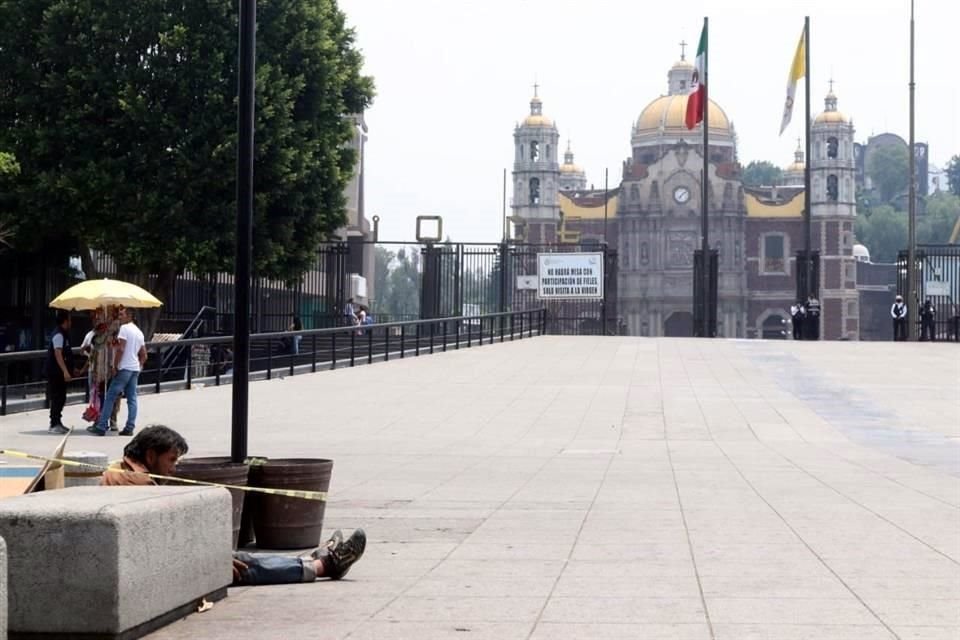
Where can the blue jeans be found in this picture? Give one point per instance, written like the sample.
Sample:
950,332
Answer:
124,382
273,570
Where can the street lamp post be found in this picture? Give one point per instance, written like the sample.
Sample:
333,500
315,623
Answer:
241,326
912,209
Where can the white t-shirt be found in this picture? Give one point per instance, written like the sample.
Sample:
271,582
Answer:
133,338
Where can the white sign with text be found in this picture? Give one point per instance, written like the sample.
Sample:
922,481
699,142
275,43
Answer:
571,276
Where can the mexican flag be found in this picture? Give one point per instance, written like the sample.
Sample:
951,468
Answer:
696,99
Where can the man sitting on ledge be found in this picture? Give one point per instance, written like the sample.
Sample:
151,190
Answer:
157,449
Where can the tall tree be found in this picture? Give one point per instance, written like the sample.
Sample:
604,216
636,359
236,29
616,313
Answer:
762,174
937,223
123,118
953,175
883,232
888,168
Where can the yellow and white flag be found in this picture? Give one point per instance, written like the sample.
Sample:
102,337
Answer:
797,70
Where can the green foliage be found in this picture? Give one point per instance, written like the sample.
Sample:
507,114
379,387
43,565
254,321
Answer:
889,169
123,118
953,175
762,173
9,170
396,283
936,225
883,232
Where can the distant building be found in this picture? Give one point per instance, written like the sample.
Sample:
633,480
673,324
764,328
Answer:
652,218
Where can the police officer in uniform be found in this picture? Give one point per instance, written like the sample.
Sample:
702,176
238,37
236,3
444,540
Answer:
899,314
813,318
797,315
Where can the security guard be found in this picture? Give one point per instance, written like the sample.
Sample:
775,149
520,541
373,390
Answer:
899,314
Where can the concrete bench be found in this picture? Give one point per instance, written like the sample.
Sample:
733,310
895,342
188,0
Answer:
113,562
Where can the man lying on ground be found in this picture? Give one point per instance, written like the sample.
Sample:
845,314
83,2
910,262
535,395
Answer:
157,449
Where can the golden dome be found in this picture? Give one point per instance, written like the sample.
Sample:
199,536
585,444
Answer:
670,112
570,168
682,64
796,167
830,114
536,120
831,117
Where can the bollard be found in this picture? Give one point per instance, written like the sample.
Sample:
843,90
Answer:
82,476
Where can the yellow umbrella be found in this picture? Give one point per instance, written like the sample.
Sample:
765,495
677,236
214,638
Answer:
93,294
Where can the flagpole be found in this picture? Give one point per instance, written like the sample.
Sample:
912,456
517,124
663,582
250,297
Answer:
606,196
704,227
909,295
807,288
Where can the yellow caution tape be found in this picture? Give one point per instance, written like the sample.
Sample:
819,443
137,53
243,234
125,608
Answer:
320,496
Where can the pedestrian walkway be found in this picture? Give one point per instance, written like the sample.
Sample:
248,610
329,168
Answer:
610,488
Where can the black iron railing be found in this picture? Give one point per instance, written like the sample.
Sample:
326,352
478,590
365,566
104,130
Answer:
209,360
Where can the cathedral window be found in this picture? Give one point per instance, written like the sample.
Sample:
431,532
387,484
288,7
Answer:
634,193
548,153
833,188
772,254
683,85
534,151
832,147
816,149
534,190
521,154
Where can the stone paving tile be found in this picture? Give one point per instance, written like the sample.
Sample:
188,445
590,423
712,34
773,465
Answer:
611,631
594,609
379,630
811,631
790,611
462,609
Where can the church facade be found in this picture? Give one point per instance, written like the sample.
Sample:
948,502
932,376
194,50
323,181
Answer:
652,218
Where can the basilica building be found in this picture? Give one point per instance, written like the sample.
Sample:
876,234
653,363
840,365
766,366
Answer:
652,218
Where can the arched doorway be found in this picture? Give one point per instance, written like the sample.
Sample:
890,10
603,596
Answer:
774,328
678,324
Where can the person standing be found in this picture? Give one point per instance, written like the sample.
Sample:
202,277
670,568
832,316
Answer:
131,354
60,371
812,330
927,313
899,314
797,318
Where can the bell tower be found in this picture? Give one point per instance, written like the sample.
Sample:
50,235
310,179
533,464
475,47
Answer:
536,175
833,209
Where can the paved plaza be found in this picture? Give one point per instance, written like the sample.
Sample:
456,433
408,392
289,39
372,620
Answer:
607,488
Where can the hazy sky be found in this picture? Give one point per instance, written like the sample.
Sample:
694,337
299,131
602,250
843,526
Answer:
454,77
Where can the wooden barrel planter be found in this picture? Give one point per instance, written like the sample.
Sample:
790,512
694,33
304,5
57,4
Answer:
290,523
219,470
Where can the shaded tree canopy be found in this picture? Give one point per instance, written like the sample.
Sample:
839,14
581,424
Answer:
122,117
760,173
888,168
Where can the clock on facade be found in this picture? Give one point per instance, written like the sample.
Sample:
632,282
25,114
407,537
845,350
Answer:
681,195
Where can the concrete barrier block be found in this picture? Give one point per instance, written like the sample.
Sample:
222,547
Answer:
113,562
3,590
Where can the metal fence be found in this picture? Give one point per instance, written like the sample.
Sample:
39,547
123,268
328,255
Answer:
404,281
937,280
208,360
